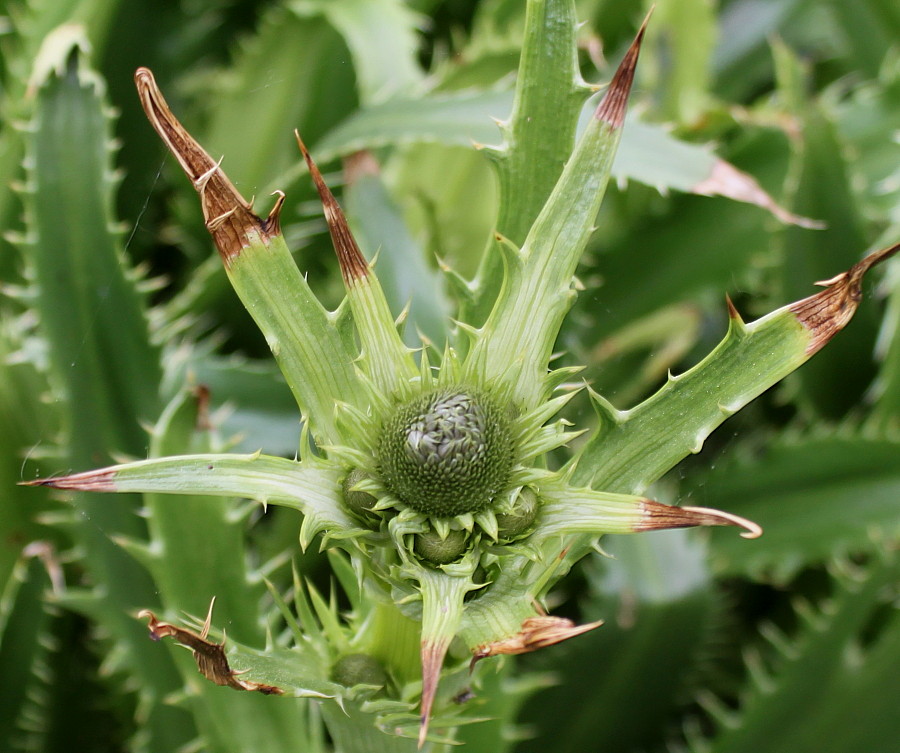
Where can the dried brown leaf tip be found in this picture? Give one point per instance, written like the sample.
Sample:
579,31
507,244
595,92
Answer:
229,216
657,516
612,108
537,632
90,481
827,313
353,264
726,180
210,657
432,656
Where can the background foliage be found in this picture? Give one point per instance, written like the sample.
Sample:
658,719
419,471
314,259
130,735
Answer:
113,302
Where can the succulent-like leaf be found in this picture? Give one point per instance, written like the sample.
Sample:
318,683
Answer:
815,497
314,490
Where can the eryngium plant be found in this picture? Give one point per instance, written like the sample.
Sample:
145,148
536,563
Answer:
430,470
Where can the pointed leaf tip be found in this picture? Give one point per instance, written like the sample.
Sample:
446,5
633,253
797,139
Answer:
228,215
828,312
658,516
353,264
612,108
432,655
89,481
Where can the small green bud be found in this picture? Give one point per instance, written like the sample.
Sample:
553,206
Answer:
357,502
432,548
446,452
519,521
358,669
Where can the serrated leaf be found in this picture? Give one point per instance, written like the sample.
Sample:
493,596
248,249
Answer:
822,188
677,420
90,309
808,693
814,497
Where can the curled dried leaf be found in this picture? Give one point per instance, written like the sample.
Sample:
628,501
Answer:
353,264
228,215
826,313
537,632
210,657
657,516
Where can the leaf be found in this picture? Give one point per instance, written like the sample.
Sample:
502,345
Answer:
101,361
278,672
823,189
834,670
537,139
292,73
315,491
90,309
814,497
515,343
381,36
303,337
405,274
623,682
631,449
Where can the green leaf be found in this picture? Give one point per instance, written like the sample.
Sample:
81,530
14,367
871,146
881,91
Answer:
680,44
631,449
514,346
404,273
450,119
624,680
822,188
648,152
102,364
537,139
314,490
381,36
291,73
304,338
813,497
91,312
24,644
836,670
198,542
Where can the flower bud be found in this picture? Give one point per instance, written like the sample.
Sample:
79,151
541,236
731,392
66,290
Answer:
432,548
447,452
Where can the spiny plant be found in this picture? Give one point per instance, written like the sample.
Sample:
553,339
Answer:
86,371
432,473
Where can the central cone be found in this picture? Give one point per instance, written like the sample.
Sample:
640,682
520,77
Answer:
447,452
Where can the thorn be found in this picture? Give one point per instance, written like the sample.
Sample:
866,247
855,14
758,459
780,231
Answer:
732,310
830,310
227,213
657,516
207,623
273,221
